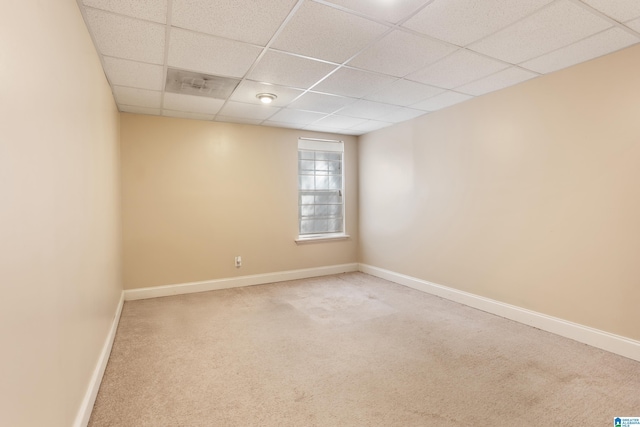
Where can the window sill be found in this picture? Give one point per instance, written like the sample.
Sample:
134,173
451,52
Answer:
317,238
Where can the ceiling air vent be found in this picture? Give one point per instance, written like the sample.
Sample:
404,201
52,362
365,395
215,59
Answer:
198,84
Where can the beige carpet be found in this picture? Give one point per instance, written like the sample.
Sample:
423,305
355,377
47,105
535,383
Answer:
350,350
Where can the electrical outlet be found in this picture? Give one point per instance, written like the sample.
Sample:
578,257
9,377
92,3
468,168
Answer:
238,261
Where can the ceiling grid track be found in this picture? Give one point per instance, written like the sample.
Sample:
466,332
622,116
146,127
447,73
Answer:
167,39
338,66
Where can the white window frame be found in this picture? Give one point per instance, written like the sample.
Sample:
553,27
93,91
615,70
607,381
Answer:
326,146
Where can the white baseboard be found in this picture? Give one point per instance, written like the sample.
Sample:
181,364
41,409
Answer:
610,342
596,338
236,282
84,413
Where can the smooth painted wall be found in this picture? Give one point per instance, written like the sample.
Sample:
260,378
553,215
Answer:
196,194
59,212
528,196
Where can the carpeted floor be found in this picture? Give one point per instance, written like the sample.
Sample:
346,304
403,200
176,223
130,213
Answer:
350,350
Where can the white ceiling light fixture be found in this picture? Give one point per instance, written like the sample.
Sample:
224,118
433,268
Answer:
266,98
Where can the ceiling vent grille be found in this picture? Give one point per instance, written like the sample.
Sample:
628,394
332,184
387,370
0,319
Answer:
198,84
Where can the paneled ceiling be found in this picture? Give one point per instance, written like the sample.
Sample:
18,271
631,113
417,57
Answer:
342,66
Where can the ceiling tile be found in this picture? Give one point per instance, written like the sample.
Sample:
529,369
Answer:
390,11
589,48
127,38
620,10
354,83
137,97
248,111
401,115
400,53
441,101
349,132
462,67
404,92
556,26
320,102
497,81
187,115
289,70
319,31
260,19
151,10
282,125
191,104
327,129
370,126
208,54
368,109
247,90
634,25
140,110
339,122
122,72
238,120
296,116
464,21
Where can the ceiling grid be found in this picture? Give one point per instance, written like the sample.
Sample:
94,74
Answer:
342,66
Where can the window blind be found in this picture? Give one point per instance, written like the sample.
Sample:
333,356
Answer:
320,187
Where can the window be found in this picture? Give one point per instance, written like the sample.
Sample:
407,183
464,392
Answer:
320,188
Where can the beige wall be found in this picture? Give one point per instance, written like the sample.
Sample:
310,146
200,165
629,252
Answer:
59,208
197,194
529,196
